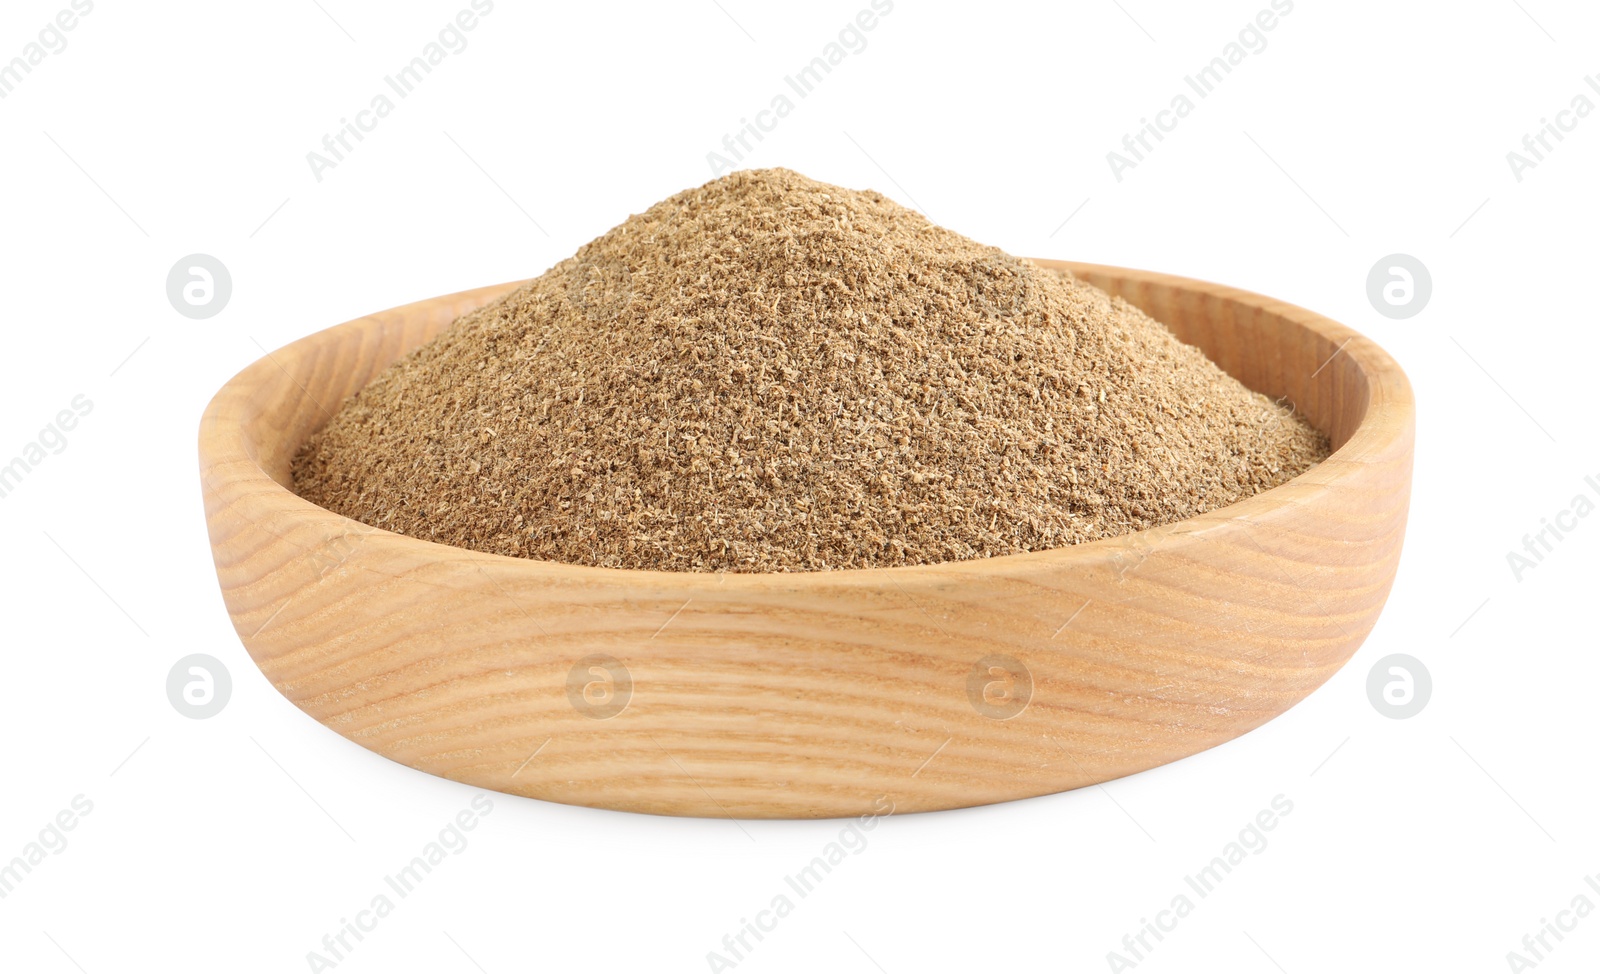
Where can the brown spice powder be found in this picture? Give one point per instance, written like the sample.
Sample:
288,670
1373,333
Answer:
768,373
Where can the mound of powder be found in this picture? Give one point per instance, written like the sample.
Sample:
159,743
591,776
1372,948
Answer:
769,373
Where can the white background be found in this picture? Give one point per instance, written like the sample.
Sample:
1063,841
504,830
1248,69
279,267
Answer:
1363,129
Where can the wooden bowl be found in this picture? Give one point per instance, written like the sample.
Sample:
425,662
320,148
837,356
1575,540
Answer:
823,693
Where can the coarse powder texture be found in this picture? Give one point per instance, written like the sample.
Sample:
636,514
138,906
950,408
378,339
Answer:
768,373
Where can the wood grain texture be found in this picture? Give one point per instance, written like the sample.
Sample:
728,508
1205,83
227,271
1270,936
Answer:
817,694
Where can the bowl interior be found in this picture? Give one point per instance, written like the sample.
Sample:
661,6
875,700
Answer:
1256,342
301,387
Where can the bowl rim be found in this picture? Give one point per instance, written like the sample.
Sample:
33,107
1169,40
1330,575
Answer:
1387,416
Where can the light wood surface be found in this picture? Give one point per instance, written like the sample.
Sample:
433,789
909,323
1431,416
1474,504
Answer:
817,694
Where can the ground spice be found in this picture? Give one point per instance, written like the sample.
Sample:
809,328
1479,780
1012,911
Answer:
768,373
